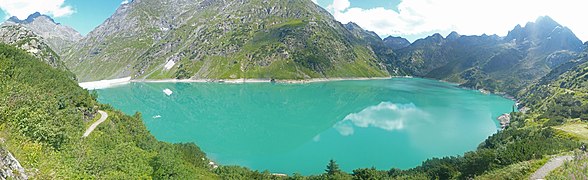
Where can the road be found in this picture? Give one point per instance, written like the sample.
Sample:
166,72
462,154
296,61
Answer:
550,166
103,116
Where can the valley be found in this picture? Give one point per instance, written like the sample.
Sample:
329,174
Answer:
277,89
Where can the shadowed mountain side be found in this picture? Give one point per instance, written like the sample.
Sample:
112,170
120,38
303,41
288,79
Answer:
490,62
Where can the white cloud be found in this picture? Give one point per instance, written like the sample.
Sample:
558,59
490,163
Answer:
339,5
386,115
23,8
125,2
471,17
315,1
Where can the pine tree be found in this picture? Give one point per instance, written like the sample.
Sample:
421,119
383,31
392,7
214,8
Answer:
332,167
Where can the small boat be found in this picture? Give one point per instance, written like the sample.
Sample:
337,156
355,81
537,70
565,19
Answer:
156,117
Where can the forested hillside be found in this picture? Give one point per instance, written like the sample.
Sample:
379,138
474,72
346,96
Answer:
43,114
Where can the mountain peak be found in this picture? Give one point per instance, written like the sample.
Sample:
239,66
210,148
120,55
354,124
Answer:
546,20
30,18
34,15
352,24
547,34
37,15
436,36
396,42
14,19
453,36
435,39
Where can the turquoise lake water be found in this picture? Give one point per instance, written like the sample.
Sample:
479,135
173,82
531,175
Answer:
288,128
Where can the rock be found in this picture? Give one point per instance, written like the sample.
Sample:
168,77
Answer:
10,168
504,120
27,40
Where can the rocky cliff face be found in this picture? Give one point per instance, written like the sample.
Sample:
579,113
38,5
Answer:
282,39
27,40
57,36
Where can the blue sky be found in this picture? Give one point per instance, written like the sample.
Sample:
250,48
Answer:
88,13
411,19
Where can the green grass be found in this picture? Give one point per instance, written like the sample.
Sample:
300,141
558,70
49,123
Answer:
521,170
577,129
575,169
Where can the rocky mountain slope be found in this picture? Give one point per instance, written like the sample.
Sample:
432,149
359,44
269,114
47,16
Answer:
58,37
500,64
27,40
205,39
396,43
381,48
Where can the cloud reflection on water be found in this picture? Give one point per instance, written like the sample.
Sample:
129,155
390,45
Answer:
386,115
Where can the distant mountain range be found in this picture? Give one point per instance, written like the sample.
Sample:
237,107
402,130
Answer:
498,64
57,36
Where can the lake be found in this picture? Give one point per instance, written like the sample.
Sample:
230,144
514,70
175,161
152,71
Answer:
288,128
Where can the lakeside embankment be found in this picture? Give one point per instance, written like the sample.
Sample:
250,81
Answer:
102,84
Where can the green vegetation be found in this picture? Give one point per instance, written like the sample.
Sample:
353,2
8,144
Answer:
520,170
575,129
43,114
576,169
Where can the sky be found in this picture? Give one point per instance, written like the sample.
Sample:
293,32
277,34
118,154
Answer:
411,19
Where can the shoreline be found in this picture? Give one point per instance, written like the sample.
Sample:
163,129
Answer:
104,84
285,81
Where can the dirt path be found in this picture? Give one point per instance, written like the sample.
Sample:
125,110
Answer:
550,166
103,116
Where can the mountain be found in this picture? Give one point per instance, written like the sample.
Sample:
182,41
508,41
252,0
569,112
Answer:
561,94
43,111
396,43
59,37
27,40
546,35
373,41
204,39
499,64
